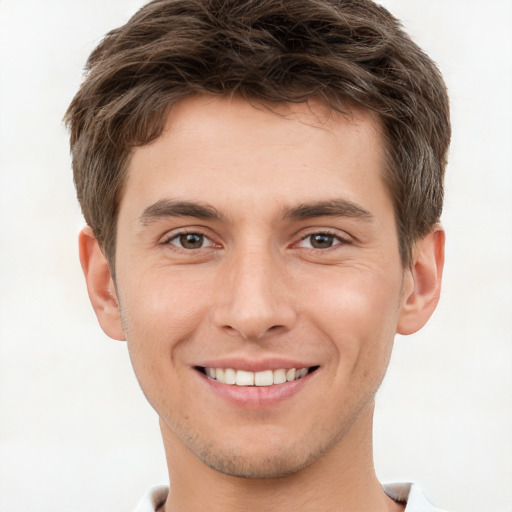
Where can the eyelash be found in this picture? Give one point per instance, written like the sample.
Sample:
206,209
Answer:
177,236
335,240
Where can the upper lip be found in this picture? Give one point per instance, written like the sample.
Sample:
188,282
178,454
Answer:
255,364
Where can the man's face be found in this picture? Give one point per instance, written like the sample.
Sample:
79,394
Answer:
258,245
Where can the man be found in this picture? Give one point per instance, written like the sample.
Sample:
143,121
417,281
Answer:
262,184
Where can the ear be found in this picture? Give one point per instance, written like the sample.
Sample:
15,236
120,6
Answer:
100,285
422,282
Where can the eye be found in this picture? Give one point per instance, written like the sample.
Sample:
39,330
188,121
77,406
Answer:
321,241
190,241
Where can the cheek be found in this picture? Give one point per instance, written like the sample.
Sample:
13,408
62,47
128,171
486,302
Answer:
159,313
358,310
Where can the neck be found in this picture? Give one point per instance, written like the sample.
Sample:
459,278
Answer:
342,479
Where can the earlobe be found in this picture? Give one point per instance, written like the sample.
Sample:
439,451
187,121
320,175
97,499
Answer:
422,283
100,285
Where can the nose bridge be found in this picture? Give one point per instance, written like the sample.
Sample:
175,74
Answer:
254,298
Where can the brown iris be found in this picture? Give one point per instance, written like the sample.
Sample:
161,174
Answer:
321,241
191,241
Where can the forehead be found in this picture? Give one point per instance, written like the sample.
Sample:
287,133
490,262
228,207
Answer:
226,148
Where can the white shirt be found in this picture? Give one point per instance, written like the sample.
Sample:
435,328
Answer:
409,493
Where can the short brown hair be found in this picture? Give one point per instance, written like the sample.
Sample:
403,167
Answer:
343,52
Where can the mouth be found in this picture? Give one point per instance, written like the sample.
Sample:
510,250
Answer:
235,377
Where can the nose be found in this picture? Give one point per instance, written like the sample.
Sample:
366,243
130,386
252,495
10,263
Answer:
254,299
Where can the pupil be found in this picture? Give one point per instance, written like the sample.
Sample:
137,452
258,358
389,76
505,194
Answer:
321,241
191,241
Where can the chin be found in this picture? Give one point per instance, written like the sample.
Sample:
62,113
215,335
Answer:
261,460
257,467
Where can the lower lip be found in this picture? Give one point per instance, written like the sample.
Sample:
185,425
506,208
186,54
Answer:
256,397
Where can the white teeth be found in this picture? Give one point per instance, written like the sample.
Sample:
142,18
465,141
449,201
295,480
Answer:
263,378
229,376
301,373
244,378
279,376
290,374
220,374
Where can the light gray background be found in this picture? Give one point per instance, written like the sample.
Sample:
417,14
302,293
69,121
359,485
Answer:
75,429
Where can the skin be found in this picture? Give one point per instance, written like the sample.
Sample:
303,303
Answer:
264,280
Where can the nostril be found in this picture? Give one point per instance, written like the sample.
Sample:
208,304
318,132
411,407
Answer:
251,333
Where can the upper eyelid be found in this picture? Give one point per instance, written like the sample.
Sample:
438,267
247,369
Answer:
339,238
167,242
189,230
325,232
298,237
342,235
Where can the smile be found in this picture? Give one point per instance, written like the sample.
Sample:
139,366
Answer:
235,377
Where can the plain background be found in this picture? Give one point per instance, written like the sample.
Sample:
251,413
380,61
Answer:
75,430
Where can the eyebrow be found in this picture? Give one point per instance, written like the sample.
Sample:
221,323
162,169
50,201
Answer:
171,208
329,208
